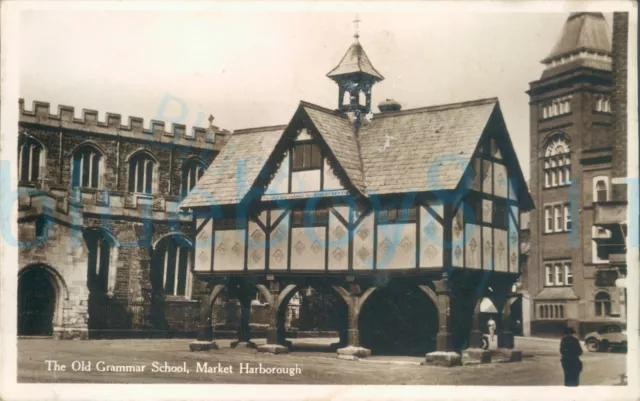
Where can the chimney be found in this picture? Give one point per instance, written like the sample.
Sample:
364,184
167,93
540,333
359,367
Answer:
389,105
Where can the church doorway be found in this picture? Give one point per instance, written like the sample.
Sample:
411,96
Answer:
36,302
399,320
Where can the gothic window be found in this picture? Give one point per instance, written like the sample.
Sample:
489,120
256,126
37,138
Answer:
557,218
600,189
141,174
557,163
191,173
85,170
603,304
172,265
99,257
31,157
306,156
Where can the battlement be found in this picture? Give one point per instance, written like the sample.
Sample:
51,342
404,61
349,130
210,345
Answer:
211,137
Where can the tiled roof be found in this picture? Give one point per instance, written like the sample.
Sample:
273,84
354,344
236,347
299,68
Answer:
422,149
415,150
235,169
355,60
582,31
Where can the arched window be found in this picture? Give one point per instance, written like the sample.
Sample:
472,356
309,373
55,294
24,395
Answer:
557,162
142,174
171,265
603,304
100,250
86,168
191,173
600,189
31,156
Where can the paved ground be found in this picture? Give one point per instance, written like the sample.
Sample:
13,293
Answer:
541,365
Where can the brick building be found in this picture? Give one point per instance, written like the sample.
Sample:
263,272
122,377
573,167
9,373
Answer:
578,153
103,244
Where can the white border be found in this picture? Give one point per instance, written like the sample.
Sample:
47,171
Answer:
10,390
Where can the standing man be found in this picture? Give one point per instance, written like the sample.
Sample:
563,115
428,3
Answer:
570,350
491,325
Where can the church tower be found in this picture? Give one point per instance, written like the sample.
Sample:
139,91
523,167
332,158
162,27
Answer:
571,145
355,76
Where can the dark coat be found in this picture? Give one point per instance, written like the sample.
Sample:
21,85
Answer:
570,347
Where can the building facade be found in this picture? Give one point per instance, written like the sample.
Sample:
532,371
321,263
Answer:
382,209
103,245
575,158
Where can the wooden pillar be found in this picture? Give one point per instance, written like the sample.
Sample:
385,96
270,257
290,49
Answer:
505,332
205,337
475,337
275,315
354,297
443,297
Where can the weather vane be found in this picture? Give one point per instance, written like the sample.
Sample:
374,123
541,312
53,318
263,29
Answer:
356,22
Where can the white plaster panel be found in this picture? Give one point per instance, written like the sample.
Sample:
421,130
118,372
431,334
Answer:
477,179
203,245
308,248
514,241
278,244
229,250
363,244
338,244
436,206
457,239
257,247
305,181
431,240
396,248
500,251
473,244
499,180
263,217
487,249
275,214
303,135
487,211
512,184
280,182
487,177
331,181
343,211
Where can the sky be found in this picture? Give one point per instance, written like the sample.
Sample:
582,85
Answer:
251,69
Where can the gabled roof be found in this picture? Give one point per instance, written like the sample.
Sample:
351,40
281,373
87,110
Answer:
419,150
355,60
423,149
582,31
235,169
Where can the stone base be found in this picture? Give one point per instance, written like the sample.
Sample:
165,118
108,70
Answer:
506,355
70,334
243,344
476,355
336,346
273,349
202,346
443,358
352,353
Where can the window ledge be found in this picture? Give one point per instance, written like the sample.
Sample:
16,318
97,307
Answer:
558,186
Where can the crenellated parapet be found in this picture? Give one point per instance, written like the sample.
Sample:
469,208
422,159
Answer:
212,137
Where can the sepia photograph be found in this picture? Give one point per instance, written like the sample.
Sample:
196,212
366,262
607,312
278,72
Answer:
307,193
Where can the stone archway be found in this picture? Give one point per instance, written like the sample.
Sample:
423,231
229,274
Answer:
40,298
399,319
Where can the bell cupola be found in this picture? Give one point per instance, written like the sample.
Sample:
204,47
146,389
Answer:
355,76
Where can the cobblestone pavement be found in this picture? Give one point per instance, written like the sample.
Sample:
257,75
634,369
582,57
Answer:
540,365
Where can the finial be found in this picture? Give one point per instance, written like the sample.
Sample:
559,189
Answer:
211,119
356,22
